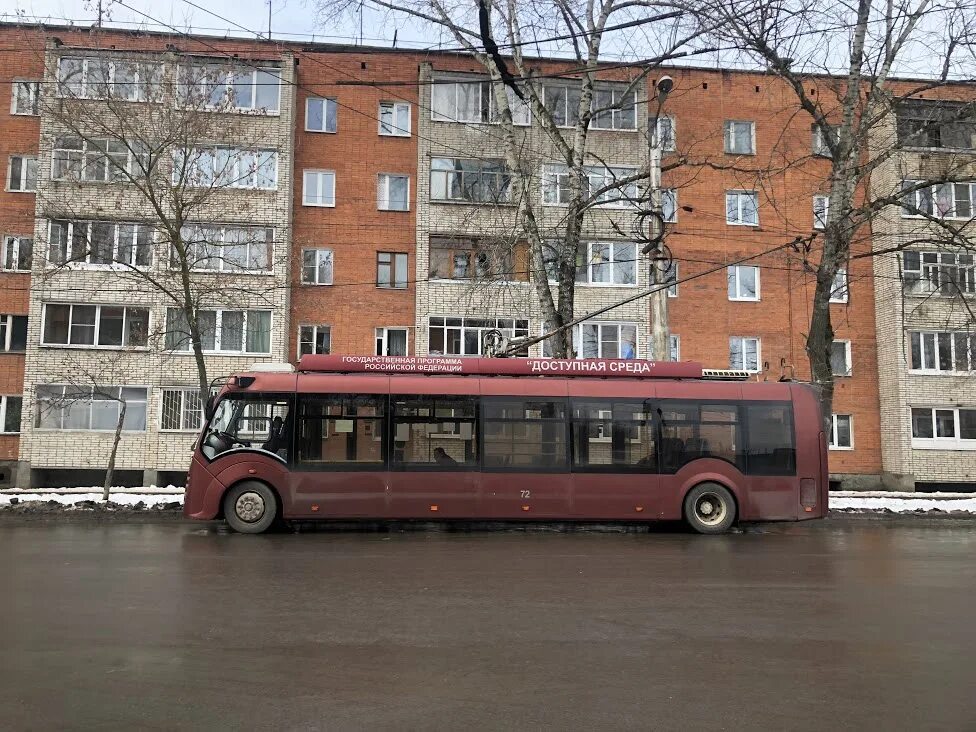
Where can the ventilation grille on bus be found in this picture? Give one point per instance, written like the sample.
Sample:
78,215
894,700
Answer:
726,374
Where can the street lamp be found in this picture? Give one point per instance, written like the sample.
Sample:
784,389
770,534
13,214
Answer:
659,266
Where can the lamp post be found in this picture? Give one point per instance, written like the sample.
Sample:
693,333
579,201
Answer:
659,265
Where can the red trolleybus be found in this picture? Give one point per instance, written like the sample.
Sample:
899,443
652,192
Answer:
357,437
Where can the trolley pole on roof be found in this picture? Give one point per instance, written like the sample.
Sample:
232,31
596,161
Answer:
660,264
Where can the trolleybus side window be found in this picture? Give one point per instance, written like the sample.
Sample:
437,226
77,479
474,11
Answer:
341,430
692,430
614,434
771,447
435,431
524,434
250,421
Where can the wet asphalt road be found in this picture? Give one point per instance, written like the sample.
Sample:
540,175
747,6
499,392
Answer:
843,624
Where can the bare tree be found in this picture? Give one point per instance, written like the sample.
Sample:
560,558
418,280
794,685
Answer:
496,34
149,122
841,64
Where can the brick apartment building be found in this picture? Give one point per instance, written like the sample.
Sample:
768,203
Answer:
376,248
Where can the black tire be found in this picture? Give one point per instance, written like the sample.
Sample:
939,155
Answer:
709,509
250,507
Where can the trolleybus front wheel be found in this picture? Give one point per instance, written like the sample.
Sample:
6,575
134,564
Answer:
250,507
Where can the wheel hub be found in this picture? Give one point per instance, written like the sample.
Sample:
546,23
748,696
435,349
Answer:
710,509
249,507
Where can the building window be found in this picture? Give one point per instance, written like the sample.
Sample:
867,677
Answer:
101,78
821,209
393,192
95,326
744,353
182,410
13,333
840,291
24,97
841,432
742,208
943,201
318,188
475,181
598,339
230,87
71,407
99,243
392,342
395,119
10,409
473,101
321,115
740,137
465,336
666,134
314,339
840,358
22,174
221,331
938,273
820,146
669,205
607,263
674,348
671,277
462,259
949,428
98,160
317,266
17,253
224,249
226,167
952,352
931,123
556,188
613,108
743,283
391,270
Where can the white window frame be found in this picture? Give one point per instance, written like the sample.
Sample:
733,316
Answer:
514,331
555,183
105,387
4,402
742,348
184,411
819,148
842,286
230,71
502,176
195,249
383,336
219,313
319,176
941,200
673,277
88,152
734,280
666,139
33,97
616,114
394,129
13,244
833,443
821,210
928,340
669,205
95,346
674,347
86,263
931,274
383,191
848,359
25,166
320,254
740,196
956,442
729,135
138,83
315,337
234,176
586,269
326,101
7,320
601,325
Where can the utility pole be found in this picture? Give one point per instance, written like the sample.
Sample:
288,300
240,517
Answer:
660,264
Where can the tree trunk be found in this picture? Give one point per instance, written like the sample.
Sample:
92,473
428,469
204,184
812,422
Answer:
820,341
110,469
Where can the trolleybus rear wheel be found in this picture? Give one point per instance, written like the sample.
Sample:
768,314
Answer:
709,508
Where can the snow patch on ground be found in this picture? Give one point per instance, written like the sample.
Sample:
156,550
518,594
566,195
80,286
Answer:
71,497
899,504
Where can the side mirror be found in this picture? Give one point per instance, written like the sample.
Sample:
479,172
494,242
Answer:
211,403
